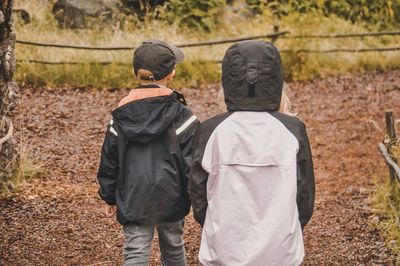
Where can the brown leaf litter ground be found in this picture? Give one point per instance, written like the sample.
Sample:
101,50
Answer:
60,220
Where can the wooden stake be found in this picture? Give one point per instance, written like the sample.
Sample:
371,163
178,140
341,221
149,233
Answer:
391,131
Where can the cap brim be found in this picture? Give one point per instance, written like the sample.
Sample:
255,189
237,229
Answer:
179,56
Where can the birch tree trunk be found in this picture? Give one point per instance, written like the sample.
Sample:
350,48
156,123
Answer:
8,92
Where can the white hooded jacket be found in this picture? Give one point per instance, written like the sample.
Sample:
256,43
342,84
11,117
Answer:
252,181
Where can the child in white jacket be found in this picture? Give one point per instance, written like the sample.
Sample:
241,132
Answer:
252,180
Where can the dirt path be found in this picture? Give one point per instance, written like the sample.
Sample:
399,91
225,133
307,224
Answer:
60,220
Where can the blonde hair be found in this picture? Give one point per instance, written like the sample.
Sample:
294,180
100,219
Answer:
221,100
147,77
284,107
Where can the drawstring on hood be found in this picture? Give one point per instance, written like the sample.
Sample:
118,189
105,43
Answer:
252,77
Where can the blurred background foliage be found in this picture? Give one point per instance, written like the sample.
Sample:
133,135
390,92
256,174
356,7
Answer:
128,22
385,14
193,14
199,14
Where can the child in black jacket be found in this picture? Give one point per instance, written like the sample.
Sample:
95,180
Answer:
146,157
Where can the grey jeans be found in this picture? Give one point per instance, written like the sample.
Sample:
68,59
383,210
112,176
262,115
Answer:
138,240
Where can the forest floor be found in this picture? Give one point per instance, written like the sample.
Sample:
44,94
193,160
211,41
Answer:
60,220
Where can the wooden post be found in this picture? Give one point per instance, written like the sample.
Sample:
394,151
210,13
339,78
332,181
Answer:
391,131
276,30
277,14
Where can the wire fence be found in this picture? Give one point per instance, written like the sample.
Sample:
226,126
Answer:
345,50
381,49
274,36
119,48
100,63
342,35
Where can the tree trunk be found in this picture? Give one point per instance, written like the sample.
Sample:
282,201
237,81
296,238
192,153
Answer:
8,92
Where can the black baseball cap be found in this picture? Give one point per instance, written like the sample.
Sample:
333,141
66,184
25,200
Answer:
157,57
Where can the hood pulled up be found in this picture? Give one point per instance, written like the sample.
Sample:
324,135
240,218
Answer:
252,76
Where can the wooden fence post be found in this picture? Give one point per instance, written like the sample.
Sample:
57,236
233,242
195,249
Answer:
391,131
276,30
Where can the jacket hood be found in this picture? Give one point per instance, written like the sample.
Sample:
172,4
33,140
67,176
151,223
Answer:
252,76
146,119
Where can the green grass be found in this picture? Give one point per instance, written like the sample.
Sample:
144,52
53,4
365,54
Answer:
386,206
26,169
197,69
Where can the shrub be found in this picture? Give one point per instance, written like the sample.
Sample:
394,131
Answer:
195,14
383,13
386,207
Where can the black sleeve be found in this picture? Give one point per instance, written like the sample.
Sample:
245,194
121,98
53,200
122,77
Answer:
305,179
186,125
305,171
198,180
198,176
109,167
186,139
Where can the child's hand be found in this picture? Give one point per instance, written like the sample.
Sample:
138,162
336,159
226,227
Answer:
110,211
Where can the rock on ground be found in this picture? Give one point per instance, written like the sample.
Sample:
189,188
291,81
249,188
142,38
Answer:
73,13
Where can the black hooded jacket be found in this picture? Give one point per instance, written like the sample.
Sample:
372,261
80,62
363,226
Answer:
252,79
145,160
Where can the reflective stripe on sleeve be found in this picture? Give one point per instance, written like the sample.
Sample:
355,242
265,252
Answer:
186,124
113,131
